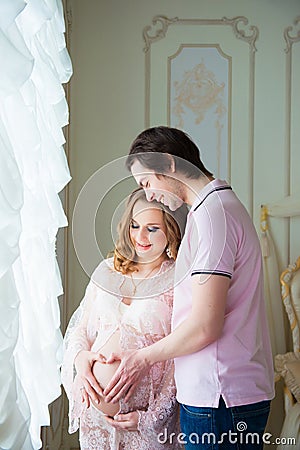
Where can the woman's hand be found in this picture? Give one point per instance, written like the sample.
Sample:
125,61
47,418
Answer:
127,422
85,380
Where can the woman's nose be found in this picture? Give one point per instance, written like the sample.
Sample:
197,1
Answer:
143,235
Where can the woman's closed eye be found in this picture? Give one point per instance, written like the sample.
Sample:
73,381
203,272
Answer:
151,229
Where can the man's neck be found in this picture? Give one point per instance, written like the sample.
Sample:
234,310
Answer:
194,187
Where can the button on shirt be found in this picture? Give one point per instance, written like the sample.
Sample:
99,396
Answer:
220,240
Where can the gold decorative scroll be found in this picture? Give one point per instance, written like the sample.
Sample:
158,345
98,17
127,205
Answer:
285,280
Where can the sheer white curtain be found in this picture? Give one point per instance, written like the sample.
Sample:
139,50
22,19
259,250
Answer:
34,63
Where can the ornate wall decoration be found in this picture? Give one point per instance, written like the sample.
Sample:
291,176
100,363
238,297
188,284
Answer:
199,91
290,40
160,32
241,34
198,100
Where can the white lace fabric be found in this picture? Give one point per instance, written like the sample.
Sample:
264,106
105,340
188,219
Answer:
146,320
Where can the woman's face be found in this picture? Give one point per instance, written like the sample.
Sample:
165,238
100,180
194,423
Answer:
148,231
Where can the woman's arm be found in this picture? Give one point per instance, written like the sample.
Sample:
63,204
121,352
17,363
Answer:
78,359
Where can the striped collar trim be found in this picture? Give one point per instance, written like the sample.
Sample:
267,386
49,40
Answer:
217,189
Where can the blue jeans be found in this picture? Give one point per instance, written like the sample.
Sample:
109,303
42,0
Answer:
235,428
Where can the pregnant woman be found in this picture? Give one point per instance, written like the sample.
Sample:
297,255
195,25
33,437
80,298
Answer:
127,305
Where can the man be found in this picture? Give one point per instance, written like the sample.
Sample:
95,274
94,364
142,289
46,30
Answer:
219,338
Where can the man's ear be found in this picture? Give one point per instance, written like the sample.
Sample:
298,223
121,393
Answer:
172,165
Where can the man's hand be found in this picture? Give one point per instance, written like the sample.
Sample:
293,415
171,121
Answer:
134,366
127,422
85,380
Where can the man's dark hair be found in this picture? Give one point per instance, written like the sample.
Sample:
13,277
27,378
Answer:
152,147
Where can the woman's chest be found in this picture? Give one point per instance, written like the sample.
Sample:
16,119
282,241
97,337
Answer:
145,315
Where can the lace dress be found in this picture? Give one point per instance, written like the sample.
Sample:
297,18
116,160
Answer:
146,320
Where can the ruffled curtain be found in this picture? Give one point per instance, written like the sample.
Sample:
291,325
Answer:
34,63
289,206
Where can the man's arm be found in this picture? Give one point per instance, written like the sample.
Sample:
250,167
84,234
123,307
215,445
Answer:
202,327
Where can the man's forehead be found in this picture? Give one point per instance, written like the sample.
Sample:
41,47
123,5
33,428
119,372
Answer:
140,172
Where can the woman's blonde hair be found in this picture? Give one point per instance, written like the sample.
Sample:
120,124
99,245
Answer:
125,258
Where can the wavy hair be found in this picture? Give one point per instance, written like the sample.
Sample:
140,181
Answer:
125,258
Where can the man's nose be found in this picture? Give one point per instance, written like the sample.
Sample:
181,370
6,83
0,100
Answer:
150,195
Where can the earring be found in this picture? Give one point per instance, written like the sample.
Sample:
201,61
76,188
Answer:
168,252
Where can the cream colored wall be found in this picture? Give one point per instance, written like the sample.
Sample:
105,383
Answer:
107,102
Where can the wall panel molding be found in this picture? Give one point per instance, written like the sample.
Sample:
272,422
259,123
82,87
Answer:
291,37
290,40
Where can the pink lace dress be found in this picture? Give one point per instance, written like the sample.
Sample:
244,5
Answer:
146,320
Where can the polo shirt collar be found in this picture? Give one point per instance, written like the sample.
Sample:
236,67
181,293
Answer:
214,185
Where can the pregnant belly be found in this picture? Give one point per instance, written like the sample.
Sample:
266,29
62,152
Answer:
104,373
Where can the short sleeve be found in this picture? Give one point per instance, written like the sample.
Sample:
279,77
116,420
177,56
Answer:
213,243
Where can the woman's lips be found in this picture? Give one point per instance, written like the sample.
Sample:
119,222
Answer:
143,247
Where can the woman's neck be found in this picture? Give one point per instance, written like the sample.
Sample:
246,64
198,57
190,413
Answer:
146,268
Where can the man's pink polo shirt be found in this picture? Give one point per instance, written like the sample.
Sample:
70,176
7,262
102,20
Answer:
220,240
